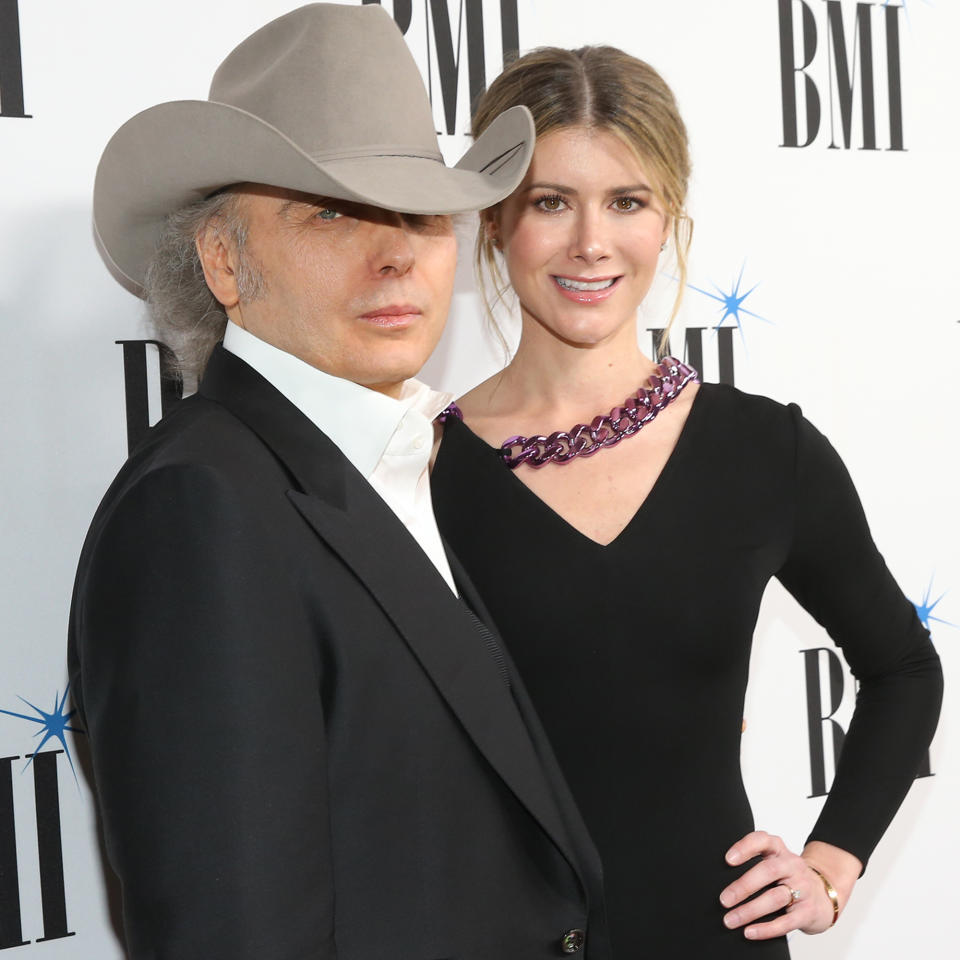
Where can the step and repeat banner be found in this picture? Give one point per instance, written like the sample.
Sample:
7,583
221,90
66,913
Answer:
823,269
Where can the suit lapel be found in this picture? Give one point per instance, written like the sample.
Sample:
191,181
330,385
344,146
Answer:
345,511
439,631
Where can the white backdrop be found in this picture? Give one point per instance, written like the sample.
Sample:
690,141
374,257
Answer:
849,256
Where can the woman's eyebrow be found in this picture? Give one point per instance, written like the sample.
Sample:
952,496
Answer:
632,188
561,188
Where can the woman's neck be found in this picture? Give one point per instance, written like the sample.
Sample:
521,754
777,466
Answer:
550,375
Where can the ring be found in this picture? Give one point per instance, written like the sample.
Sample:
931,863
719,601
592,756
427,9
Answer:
794,895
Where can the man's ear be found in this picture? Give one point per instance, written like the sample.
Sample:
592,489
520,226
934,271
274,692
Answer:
217,257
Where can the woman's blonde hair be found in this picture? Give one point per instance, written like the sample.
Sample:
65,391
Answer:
604,89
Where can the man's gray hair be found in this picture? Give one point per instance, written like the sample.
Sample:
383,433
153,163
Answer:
186,316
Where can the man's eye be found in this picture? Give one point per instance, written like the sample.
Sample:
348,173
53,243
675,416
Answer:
328,213
428,221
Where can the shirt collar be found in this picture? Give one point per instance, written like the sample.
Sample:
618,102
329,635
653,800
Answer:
358,420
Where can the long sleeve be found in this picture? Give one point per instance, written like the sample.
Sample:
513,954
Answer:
837,574
199,683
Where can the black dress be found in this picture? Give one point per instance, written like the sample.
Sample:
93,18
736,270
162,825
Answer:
635,654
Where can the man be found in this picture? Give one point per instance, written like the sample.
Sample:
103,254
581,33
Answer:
306,742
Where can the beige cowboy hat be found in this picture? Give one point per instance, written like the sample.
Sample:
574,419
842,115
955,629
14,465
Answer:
327,100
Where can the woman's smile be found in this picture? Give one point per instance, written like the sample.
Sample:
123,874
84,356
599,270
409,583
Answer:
586,291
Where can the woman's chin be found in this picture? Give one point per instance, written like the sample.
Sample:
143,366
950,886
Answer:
592,335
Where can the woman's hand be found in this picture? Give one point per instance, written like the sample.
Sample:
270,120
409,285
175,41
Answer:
788,884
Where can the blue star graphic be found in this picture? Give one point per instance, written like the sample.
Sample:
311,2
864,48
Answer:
731,304
52,725
906,9
925,608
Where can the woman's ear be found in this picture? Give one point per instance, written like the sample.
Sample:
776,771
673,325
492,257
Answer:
667,230
491,226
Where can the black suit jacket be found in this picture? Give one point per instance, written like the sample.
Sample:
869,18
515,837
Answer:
304,746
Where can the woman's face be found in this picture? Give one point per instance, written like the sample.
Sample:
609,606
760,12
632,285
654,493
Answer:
581,236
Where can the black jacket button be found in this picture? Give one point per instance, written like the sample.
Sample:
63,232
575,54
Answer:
572,941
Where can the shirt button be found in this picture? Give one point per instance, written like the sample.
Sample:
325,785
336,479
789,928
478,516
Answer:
572,941
418,443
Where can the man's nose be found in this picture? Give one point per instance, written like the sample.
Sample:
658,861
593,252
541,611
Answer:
393,252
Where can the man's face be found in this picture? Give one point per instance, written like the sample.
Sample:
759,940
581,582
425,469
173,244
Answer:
356,291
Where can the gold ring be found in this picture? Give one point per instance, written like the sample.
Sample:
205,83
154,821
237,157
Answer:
794,895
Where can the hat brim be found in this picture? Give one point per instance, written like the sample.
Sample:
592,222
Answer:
176,153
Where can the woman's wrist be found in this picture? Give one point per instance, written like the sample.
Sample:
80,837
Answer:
834,873
830,890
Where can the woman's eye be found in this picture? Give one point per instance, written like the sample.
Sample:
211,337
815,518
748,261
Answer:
551,204
628,204
328,213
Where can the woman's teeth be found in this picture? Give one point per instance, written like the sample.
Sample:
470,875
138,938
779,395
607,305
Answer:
590,285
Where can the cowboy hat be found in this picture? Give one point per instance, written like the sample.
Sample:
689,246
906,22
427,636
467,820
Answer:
326,100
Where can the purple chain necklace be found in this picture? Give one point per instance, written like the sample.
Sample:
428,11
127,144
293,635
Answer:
608,430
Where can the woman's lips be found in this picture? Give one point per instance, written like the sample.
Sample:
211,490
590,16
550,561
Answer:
395,315
586,289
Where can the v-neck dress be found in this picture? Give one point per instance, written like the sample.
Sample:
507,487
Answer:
636,653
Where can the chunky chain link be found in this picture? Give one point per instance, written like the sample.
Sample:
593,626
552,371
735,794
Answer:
608,430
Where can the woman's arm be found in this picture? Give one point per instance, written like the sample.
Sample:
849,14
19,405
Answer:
837,574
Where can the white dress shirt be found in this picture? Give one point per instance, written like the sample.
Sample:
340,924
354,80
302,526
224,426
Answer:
388,441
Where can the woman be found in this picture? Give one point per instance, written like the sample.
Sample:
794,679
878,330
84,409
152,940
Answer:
626,583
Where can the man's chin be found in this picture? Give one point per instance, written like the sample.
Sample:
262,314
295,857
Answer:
400,366
389,382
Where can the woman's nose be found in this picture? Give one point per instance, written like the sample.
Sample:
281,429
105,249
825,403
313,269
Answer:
589,243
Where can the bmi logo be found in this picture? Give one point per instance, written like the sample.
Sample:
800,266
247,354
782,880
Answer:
840,69
155,372
441,43
46,791
728,302
11,65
